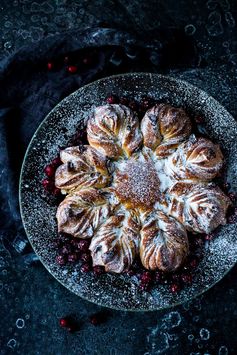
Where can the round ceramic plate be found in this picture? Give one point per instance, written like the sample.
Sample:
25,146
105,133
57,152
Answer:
118,291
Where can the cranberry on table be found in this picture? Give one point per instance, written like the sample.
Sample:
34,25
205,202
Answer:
50,66
85,267
83,245
96,319
61,260
64,322
72,69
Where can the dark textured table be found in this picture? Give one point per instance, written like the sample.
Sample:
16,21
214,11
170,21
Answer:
31,300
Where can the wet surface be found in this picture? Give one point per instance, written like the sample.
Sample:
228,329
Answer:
32,301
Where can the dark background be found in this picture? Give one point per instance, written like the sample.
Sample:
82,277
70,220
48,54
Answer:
32,301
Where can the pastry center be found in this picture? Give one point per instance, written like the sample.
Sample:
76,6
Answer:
137,184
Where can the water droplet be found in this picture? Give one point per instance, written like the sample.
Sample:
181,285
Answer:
190,30
190,337
223,350
173,319
20,323
4,272
8,45
204,334
214,26
27,316
196,318
211,4
230,19
11,343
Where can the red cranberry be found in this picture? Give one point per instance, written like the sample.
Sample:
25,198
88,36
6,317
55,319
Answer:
56,192
49,170
56,162
86,257
174,288
61,260
83,245
72,258
98,270
64,322
48,185
187,278
85,267
112,99
72,69
50,66
146,277
66,250
144,285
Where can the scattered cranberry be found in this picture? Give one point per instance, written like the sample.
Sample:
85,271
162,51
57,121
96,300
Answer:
56,192
72,69
174,288
112,99
50,66
83,245
187,278
49,170
61,260
72,258
85,267
146,277
66,250
56,162
98,270
64,322
48,185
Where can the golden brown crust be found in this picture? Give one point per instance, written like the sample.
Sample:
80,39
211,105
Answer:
83,167
164,242
81,213
164,127
114,131
116,243
198,158
199,207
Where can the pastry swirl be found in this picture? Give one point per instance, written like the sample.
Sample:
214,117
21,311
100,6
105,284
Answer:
163,128
83,166
114,131
116,243
80,213
164,242
200,208
198,158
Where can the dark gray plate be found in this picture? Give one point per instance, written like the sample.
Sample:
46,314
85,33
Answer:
117,291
